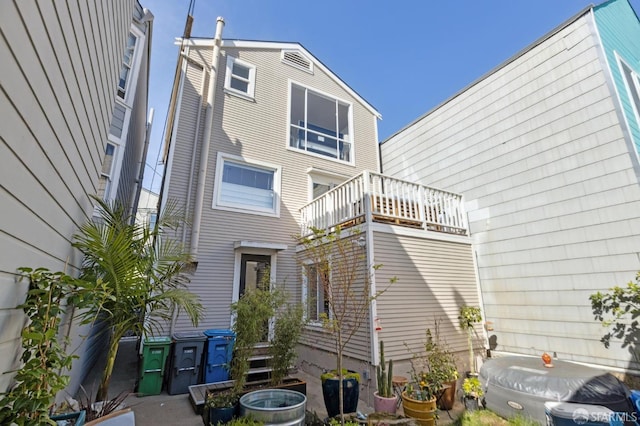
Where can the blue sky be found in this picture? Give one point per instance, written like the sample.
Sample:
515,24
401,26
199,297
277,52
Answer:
404,57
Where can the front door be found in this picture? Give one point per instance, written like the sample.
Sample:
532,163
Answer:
254,273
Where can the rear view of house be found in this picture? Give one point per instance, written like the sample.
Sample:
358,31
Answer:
267,143
545,151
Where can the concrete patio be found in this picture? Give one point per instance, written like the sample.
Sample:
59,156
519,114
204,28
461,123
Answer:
165,409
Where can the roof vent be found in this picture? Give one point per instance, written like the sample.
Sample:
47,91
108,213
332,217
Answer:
297,59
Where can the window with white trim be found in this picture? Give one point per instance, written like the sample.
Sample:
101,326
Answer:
248,186
127,65
315,291
320,124
633,86
240,78
104,184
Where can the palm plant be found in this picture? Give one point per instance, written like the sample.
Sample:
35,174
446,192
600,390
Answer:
134,276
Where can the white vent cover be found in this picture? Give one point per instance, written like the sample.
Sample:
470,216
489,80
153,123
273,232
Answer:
297,59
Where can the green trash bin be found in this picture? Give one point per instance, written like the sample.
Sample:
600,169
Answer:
154,357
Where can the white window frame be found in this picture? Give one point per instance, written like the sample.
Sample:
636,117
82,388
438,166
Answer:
636,85
217,189
136,57
305,297
350,126
251,81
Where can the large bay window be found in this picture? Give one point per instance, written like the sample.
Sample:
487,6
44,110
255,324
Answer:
320,124
246,186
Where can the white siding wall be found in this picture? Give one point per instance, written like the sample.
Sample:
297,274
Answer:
434,279
538,152
60,65
255,130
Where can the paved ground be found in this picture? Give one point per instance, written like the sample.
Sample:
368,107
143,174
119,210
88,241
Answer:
167,409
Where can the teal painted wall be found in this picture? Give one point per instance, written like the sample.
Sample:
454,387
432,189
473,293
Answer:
619,30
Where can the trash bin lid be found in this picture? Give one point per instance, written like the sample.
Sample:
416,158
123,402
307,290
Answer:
219,333
163,340
189,335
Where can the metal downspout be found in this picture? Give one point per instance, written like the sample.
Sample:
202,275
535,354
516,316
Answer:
206,142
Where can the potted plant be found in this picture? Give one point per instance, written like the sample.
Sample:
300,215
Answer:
472,390
384,400
342,270
133,275
220,406
470,315
419,398
441,362
30,400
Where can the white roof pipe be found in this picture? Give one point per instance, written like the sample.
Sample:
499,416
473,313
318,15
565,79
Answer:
206,141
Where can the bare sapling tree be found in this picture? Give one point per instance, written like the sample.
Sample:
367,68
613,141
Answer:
339,265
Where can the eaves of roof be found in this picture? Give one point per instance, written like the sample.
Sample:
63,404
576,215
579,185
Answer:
279,45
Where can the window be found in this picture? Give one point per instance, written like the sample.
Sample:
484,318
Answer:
322,183
104,185
127,64
633,85
240,78
320,124
317,299
242,185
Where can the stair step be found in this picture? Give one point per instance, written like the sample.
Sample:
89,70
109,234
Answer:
260,358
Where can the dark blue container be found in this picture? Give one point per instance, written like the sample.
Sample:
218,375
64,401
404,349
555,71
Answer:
218,355
350,394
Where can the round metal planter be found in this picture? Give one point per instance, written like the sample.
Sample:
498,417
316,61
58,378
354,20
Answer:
275,406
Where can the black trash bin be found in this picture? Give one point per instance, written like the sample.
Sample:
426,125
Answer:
186,361
219,351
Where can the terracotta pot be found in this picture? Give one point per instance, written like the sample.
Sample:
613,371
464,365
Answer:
448,398
423,411
385,405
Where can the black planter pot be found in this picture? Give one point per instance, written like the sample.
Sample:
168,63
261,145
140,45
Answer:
471,403
350,395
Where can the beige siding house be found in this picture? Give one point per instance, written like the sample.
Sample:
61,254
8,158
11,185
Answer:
61,69
279,145
543,149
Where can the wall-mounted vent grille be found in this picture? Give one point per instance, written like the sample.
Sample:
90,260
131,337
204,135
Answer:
297,59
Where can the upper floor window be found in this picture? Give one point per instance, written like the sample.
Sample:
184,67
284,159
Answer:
127,65
247,186
320,124
633,85
240,77
106,175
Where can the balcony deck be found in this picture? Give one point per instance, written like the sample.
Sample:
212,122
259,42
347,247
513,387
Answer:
373,197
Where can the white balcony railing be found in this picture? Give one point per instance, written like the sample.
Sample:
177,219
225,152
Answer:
374,197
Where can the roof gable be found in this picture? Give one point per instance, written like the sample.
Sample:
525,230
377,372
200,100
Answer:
286,46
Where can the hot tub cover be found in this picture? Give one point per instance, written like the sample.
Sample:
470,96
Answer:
566,381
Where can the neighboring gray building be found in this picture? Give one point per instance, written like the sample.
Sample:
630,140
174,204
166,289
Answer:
280,144
74,99
544,149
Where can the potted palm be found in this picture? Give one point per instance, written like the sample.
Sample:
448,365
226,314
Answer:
133,276
470,315
384,400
